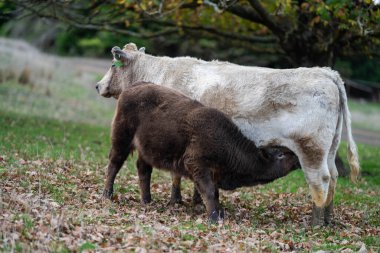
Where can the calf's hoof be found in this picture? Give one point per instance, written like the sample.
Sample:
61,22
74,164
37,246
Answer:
215,216
197,200
146,200
174,201
175,197
107,194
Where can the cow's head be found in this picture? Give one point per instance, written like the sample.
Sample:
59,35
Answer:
116,77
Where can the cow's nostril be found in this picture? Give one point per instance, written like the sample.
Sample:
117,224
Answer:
97,87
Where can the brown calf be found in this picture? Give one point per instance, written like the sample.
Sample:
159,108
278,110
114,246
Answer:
173,132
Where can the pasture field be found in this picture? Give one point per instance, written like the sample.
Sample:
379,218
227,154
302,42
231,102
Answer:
53,152
54,143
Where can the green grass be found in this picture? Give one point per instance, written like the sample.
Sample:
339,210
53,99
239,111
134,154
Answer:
365,107
61,100
366,115
35,137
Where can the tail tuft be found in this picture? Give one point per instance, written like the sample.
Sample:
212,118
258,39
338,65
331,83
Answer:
354,162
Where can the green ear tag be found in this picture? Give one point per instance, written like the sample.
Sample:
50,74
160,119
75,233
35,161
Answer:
118,64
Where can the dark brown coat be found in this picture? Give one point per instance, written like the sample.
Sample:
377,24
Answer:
173,132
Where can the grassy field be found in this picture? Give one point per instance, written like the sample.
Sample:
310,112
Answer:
366,115
53,152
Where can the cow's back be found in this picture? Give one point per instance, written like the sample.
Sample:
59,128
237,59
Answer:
266,103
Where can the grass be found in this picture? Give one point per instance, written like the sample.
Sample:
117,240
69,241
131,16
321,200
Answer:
365,107
366,115
56,167
31,137
54,143
61,100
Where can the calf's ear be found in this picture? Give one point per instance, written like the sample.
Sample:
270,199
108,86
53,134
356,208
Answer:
264,153
120,55
142,50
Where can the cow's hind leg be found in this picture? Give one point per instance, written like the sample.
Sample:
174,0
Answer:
328,212
313,157
144,171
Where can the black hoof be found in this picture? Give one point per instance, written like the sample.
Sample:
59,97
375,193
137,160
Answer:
107,194
146,200
197,199
172,202
215,216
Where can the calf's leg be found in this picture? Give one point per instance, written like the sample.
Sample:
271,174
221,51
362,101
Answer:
176,197
117,157
176,189
144,171
207,189
121,138
197,199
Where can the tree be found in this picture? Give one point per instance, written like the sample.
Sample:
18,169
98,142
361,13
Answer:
307,33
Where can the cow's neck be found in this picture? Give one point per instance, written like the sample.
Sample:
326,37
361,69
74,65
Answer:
170,72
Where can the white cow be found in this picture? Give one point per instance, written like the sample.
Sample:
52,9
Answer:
302,109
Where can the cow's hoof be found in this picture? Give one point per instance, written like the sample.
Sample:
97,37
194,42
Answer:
328,213
317,216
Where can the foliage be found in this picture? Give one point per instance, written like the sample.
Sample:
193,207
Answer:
312,32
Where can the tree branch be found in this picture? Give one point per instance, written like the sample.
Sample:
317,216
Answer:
211,30
266,18
245,13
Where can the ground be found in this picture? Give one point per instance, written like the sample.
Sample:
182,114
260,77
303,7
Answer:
54,142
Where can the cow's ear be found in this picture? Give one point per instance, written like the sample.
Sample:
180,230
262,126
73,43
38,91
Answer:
130,47
120,55
142,50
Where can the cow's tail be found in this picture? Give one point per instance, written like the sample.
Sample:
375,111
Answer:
352,152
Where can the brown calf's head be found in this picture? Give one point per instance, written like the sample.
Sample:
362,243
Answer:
280,160
116,77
